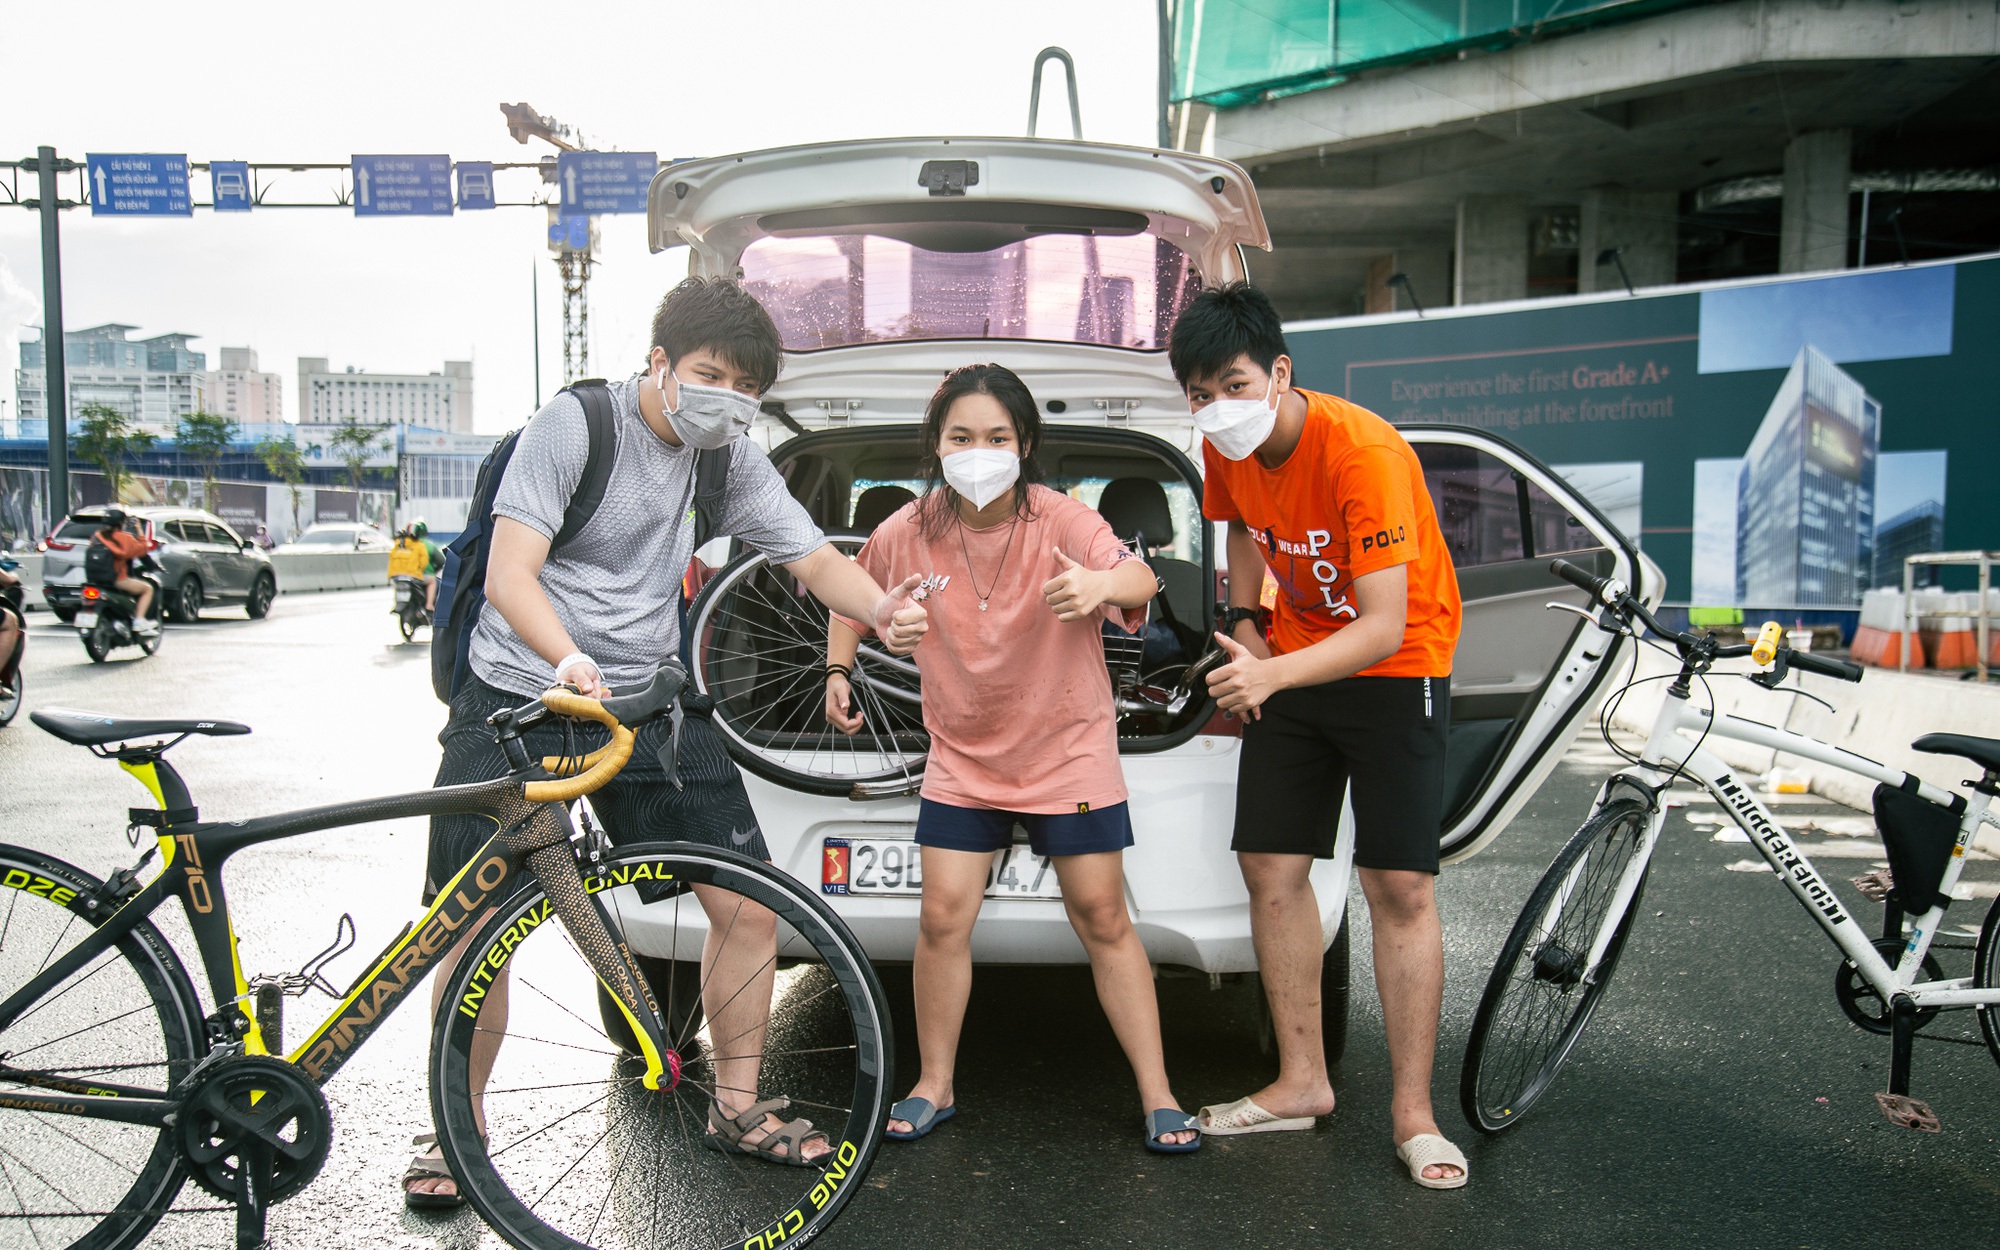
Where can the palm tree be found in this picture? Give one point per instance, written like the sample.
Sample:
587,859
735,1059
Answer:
106,439
205,437
352,444
284,461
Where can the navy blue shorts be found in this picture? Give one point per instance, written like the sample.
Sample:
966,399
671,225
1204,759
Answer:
1091,831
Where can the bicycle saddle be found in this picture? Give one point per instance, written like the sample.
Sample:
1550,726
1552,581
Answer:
1984,752
94,729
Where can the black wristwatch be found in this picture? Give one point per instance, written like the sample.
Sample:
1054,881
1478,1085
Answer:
1234,615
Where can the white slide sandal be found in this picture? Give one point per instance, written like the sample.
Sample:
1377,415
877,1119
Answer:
1245,1116
1429,1150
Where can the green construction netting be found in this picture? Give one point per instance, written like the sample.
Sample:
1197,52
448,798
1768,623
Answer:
1234,51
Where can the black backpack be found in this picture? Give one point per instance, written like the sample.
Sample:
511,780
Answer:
462,584
100,563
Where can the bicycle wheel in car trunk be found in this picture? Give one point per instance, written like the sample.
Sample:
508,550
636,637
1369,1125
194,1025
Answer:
1543,989
759,651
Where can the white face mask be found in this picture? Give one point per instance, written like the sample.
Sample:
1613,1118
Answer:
1237,427
981,474
708,416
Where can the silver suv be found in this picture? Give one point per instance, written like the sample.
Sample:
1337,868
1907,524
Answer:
202,562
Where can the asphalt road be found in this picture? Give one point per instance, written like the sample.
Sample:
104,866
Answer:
1719,1098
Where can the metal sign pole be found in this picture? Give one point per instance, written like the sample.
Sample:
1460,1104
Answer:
55,385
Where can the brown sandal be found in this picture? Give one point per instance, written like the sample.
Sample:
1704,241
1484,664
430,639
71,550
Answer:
430,1165
726,1135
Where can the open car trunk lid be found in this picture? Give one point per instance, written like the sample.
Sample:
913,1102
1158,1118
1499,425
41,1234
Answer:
946,190
907,240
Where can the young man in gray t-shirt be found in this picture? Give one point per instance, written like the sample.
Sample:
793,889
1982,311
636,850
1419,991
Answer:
605,611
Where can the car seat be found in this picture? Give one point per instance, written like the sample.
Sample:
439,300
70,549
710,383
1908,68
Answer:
1136,509
877,504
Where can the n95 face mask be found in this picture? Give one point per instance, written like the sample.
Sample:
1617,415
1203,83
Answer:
981,474
1237,427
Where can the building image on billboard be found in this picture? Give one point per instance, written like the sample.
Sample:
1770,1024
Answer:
1805,500
1911,532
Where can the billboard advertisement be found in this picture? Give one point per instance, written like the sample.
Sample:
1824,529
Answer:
1779,443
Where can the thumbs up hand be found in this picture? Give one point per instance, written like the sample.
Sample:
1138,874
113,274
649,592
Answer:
1241,686
900,619
1075,591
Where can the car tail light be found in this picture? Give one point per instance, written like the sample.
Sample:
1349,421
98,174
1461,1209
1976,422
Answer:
697,576
92,592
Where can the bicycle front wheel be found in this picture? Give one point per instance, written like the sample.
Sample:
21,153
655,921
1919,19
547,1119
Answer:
1544,987
125,1023
562,1145
759,650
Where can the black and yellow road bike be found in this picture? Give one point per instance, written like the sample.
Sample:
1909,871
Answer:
116,1087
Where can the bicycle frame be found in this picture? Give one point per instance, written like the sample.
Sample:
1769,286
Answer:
1668,753
192,855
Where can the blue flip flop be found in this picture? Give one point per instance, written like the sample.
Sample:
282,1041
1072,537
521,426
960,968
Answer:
921,1116
1167,1120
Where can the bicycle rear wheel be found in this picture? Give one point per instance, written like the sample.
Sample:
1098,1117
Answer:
576,1151
759,651
1541,995
127,1021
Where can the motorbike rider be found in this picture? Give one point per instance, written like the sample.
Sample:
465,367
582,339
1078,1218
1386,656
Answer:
415,555
125,548
12,629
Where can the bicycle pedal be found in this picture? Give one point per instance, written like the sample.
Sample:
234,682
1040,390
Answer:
1904,1111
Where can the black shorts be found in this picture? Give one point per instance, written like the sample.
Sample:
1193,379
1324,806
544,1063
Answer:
636,806
1088,831
1384,734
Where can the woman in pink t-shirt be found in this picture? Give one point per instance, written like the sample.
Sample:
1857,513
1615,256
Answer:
1018,706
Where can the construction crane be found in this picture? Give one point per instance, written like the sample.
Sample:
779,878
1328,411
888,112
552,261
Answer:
572,261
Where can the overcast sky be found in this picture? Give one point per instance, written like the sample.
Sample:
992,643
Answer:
265,82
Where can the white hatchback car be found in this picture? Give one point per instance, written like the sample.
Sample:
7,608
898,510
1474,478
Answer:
886,263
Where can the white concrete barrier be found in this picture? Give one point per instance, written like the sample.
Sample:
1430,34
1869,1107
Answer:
332,570
1877,718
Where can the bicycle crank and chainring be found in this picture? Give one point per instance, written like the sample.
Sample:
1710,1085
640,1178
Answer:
249,1107
1863,1005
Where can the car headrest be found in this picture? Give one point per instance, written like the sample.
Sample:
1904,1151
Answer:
1133,506
877,504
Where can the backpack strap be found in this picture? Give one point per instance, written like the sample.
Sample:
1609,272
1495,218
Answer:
601,418
711,487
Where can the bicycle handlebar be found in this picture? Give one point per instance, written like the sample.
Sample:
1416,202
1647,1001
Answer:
565,702
623,712
1610,593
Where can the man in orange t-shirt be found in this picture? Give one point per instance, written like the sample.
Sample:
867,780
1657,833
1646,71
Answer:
1347,692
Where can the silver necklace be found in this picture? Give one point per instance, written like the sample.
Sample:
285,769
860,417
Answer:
973,577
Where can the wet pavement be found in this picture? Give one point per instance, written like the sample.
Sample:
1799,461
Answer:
1719,1097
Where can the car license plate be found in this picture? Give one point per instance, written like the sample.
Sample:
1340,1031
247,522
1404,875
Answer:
895,867
86,620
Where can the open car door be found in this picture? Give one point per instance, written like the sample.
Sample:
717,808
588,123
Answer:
1525,678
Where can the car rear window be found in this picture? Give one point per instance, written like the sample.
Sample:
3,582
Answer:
327,538
78,527
835,290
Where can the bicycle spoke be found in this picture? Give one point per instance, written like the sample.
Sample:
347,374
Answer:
524,1037
79,1032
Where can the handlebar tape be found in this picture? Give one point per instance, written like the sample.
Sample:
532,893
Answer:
613,757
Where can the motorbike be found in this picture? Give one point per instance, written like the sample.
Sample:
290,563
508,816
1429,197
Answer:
106,618
409,610
12,679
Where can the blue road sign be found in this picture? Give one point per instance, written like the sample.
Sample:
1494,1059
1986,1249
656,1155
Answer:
475,184
139,184
605,182
229,186
402,186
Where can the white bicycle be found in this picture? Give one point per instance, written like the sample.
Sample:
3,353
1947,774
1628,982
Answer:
1559,958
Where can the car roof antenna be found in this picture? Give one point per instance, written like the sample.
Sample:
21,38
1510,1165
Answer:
1035,91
